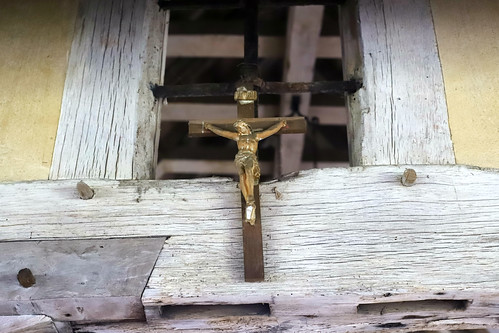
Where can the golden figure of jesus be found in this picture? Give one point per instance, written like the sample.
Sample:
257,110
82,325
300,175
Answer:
246,160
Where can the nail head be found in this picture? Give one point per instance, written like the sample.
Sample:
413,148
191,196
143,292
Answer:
409,177
26,278
84,191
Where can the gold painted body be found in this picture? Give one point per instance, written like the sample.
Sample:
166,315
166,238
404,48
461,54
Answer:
246,160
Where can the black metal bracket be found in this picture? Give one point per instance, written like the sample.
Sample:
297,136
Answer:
248,70
263,88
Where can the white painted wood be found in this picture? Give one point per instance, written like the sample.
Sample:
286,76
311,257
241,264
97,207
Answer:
400,114
224,167
326,250
328,115
27,324
353,230
108,125
231,46
304,27
78,280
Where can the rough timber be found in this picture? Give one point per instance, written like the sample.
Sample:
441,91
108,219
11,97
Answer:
329,247
117,52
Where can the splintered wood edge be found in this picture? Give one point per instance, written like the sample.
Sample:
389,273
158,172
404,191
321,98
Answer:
386,313
294,125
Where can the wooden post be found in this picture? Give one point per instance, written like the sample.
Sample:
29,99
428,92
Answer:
402,119
109,122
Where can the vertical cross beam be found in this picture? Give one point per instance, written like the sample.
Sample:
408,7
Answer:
252,234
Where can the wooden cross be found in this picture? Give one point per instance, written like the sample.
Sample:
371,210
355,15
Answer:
247,131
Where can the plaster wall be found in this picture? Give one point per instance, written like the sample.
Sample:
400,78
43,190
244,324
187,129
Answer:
468,42
35,39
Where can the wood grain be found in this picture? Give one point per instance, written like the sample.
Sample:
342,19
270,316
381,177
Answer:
340,235
355,236
78,280
27,324
400,114
109,119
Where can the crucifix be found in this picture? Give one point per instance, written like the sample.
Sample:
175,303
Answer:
247,129
247,132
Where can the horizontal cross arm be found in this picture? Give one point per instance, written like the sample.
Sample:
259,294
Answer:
294,125
264,88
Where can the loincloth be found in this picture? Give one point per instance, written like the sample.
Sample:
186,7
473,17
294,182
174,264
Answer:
247,161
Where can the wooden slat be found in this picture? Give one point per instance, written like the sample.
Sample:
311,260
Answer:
27,324
221,167
400,114
294,125
231,46
437,234
328,115
304,27
78,280
108,124
435,240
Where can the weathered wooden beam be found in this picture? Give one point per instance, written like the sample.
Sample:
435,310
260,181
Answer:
43,210
294,125
230,46
328,115
435,240
399,116
77,280
304,28
108,126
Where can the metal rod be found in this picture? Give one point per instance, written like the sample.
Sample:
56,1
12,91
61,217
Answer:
318,87
228,4
194,90
266,88
251,32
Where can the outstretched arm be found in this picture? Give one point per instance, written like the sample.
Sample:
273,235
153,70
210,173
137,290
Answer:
221,132
271,130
